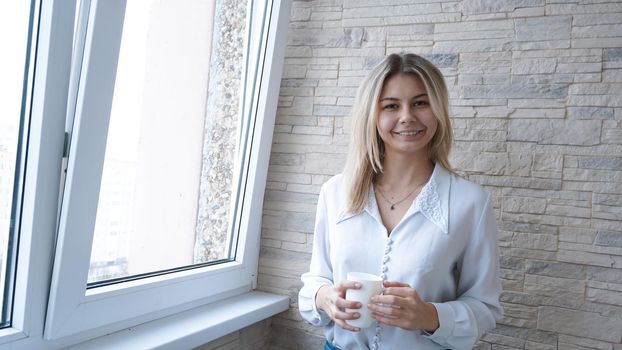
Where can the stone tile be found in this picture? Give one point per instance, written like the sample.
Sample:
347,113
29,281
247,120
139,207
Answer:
610,297
484,6
579,19
515,91
534,66
556,132
290,221
473,45
578,323
442,60
584,342
524,205
543,28
555,269
604,163
387,11
528,12
609,239
612,54
564,288
579,257
533,335
323,163
294,339
590,113
597,31
489,163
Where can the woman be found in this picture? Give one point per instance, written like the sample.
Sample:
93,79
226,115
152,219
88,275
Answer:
398,211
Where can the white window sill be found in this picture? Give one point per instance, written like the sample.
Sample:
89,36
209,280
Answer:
194,327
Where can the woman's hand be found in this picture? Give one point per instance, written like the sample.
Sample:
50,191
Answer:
332,300
401,306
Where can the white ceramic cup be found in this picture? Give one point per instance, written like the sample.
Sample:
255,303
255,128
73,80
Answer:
370,285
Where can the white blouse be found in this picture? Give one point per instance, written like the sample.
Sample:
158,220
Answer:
445,247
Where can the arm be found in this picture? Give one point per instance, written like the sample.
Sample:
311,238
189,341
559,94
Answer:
463,321
320,272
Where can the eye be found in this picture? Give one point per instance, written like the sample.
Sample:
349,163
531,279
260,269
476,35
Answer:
391,106
420,103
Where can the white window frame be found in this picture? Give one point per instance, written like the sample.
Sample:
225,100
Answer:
51,52
73,313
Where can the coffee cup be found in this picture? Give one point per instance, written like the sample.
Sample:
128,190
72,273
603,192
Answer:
370,285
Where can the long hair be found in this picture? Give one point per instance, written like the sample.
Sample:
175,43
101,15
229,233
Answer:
365,158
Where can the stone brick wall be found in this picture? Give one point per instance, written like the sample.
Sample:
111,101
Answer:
536,94
253,337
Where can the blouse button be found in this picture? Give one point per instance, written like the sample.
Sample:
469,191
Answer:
384,268
383,276
385,259
374,346
387,249
375,339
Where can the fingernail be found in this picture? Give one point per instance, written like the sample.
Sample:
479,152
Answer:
357,329
359,304
357,285
357,315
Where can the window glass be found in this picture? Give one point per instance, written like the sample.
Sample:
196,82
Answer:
168,188
14,27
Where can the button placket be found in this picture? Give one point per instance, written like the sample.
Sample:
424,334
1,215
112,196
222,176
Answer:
385,259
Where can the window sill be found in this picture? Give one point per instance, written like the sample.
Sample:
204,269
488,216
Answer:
194,327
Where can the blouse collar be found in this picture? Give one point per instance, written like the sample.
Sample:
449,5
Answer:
432,201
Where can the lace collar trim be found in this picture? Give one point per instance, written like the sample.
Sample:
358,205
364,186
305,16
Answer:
429,203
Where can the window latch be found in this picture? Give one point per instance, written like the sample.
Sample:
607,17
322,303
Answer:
66,145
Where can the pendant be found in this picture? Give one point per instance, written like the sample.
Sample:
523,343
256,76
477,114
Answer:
392,206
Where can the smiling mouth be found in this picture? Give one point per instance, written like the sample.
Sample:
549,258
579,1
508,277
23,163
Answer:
409,133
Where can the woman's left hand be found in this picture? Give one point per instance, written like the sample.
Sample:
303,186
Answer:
401,306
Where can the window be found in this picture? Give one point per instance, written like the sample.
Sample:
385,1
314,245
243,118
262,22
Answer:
14,63
100,184
168,190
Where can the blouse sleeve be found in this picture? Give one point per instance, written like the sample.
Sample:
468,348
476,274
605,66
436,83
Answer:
320,272
475,311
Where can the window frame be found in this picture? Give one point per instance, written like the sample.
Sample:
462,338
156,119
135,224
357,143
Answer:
72,307
53,307
43,143
9,262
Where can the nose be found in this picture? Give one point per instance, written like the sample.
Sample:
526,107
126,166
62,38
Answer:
407,115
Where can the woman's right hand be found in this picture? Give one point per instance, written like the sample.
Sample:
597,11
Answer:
332,300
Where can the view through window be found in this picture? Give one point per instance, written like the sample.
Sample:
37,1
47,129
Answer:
14,26
168,187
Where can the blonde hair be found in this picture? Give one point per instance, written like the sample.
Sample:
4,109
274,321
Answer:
366,153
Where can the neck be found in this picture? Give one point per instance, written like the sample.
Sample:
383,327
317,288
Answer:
403,171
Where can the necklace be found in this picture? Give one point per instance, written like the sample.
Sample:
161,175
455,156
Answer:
393,204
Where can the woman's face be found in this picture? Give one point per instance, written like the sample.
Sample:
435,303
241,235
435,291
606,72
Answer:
406,123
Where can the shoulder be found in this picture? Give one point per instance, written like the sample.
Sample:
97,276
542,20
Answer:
469,204
457,189
467,197
468,190
333,183
333,189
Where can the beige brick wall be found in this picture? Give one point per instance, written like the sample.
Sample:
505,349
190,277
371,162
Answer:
253,337
536,93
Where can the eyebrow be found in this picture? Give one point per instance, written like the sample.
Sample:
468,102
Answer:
397,99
